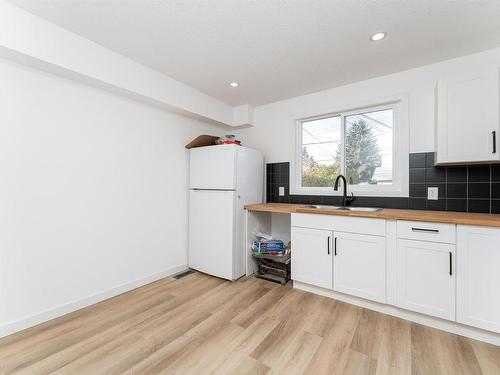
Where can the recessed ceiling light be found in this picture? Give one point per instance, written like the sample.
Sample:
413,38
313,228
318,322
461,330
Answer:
234,84
378,36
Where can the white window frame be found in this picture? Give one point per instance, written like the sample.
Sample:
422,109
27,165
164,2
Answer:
400,149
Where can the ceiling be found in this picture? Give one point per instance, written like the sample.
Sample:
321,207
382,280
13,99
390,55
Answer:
278,49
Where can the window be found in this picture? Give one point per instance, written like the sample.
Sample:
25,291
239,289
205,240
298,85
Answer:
321,142
359,144
368,147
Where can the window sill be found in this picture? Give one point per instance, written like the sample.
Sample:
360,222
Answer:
357,193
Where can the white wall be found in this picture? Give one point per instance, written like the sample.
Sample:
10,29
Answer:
93,194
274,122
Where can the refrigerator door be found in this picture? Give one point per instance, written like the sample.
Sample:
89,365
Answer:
211,232
213,167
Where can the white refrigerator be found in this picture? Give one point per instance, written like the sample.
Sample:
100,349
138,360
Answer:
222,180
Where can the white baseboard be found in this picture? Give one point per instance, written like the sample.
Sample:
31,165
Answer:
67,308
444,325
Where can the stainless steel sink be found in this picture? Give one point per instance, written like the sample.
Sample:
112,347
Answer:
321,207
342,208
365,209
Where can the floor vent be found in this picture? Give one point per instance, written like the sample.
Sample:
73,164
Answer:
183,274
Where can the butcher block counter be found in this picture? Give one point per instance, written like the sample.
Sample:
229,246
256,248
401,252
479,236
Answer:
465,218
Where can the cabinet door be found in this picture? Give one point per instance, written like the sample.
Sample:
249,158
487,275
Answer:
478,277
426,277
312,256
359,265
467,118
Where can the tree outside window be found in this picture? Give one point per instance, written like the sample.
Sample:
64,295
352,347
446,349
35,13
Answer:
362,151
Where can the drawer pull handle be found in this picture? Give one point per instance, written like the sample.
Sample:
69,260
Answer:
426,230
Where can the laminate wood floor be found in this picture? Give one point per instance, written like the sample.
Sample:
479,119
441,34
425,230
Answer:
203,325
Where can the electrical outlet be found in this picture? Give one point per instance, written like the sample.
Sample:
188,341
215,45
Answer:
432,193
281,191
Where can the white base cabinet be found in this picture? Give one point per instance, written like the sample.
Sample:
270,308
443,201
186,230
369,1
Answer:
478,277
426,277
312,257
432,270
349,263
359,265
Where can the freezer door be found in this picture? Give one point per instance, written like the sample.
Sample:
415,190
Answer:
211,232
213,167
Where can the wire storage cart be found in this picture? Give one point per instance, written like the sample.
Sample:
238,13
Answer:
273,267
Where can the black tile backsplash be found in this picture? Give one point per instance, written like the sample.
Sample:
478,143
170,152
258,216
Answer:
479,190
459,205
456,174
495,206
435,174
479,173
429,158
278,174
478,205
474,188
418,190
437,205
417,160
495,173
417,175
495,190
417,203
456,190
461,188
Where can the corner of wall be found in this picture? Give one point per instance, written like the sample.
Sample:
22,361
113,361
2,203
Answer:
243,115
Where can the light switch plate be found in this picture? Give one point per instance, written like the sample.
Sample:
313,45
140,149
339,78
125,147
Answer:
432,193
281,191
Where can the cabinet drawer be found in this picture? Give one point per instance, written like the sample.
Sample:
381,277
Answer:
339,223
424,231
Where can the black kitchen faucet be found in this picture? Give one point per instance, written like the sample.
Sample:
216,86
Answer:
345,199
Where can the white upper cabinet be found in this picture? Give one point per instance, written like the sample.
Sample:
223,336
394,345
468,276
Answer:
312,257
359,265
478,277
467,121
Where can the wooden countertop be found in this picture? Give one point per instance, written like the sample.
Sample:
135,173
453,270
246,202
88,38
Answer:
467,218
